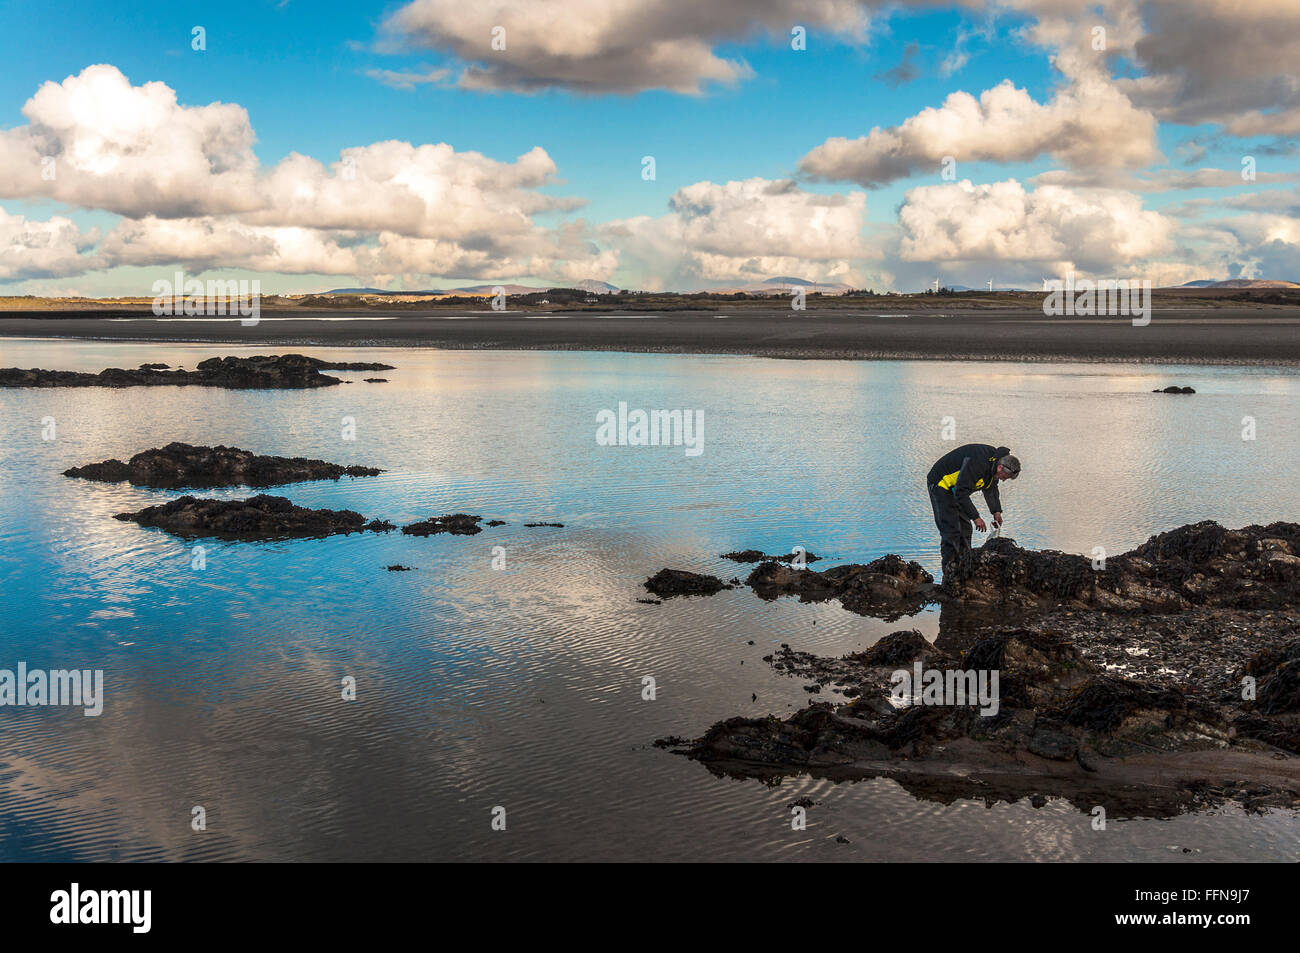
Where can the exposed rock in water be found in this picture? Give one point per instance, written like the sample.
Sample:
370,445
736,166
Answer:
561,525
1062,727
898,648
757,555
495,523
888,586
458,524
182,465
375,380
278,372
1197,565
679,582
261,517
1173,389
398,568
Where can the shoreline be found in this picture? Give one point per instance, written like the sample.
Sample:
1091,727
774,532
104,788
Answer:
1228,337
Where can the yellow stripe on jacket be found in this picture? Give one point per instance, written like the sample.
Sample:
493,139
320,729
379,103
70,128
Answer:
947,482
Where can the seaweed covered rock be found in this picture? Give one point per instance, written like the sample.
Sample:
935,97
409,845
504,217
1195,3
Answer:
182,465
889,582
260,371
887,586
260,517
897,648
1277,675
680,582
1197,565
1103,703
1053,705
1033,667
1256,567
458,524
860,672
757,555
1001,573
1119,685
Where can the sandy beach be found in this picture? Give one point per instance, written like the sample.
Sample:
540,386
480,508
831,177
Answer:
1257,335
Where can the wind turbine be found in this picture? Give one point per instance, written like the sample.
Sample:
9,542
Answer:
990,284
936,286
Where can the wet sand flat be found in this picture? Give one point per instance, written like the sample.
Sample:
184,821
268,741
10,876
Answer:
1268,335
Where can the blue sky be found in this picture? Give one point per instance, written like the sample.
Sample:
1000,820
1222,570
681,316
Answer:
303,73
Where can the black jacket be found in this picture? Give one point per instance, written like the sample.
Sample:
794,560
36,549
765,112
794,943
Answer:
966,469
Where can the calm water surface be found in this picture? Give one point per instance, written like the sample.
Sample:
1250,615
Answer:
521,687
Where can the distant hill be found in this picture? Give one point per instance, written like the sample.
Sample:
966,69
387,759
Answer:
782,286
377,291
595,286
590,285
1240,283
491,289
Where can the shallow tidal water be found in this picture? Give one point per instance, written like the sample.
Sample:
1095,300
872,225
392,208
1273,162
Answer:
521,687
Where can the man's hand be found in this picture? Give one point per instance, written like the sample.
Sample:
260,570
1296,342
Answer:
997,519
981,525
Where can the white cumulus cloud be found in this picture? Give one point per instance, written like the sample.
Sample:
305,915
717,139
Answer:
1095,230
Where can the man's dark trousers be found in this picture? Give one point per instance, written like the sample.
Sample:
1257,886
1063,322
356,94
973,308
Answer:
954,527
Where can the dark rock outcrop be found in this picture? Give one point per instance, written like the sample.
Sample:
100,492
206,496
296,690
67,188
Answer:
1173,389
260,517
182,465
1063,727
679,582
757,555
1202,564
261,371
888,586
458,524
1150,685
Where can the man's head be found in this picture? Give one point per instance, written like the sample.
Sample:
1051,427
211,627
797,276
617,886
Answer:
1008,468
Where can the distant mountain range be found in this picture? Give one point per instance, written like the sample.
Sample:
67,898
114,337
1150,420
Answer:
1239,283
769,286
587,284
781,285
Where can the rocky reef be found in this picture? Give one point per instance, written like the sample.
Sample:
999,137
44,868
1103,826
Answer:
1063,727
260,517
1165,680
888,587
1202,564
458,524
273,372
757,556
680,582
180,465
